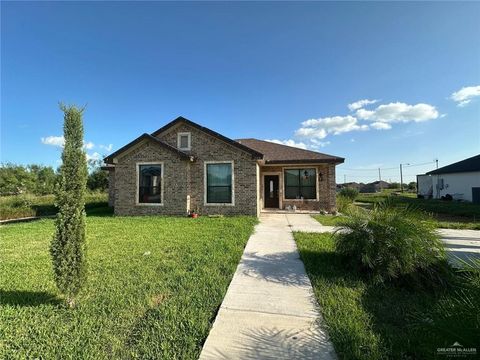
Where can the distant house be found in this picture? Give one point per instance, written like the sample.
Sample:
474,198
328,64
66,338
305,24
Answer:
375,186
460,180
185,167
372,187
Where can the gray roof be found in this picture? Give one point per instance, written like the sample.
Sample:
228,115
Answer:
467,165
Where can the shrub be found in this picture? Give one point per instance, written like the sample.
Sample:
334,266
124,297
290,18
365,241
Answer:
389,242
343,203
349,193
68,245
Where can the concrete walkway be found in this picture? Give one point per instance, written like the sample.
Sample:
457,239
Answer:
269,311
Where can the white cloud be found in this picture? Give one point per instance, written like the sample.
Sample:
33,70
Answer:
381,126
88,145
289,142
399,112
60,142
360,104
320,128
465,95
317,144
53,140
94,156
106,147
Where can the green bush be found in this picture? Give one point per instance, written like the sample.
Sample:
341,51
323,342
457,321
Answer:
389,242
343,204
349,193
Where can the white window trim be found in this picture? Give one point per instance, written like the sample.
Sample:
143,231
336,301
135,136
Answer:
137,183
205,163
316,182
189,135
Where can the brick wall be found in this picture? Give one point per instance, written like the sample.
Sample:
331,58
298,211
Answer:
174,181
111,188
205,147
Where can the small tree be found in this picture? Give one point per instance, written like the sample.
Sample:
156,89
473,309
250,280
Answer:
68,244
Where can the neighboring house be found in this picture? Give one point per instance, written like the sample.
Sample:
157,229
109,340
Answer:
374,187
460,180
184,167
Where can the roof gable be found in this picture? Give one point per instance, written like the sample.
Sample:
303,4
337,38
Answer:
282,154
467,165
255,154
109,158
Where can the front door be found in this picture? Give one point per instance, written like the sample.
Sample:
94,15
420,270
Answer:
271,191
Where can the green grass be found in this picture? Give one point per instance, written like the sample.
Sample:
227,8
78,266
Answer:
27,205
134,306
368,321
454,208
446,214
328,220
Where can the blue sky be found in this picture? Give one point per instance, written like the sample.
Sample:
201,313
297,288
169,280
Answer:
277,71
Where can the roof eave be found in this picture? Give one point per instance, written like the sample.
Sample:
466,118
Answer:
306,161
255,154
145,136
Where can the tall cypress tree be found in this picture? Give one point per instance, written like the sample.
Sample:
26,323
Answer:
68,244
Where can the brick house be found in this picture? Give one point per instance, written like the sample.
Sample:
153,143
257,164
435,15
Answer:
184,167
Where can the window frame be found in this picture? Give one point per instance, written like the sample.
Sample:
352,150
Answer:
189,136
300,168
205,185
137,186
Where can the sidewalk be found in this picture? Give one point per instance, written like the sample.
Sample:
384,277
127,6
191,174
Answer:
269,311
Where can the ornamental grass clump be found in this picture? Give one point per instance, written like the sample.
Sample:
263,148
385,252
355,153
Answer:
389,242
68,244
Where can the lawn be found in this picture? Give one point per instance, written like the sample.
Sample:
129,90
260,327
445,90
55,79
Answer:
154,287
370,321
446,214
27,205
328,220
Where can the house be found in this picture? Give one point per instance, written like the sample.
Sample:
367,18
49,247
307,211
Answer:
184,167
374,187
460,180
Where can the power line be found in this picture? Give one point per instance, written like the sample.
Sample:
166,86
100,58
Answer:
385,169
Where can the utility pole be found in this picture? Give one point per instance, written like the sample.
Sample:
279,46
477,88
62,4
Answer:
344,179
380,179
436,161
401,177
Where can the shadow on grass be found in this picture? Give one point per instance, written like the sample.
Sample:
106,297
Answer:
92,209
27,298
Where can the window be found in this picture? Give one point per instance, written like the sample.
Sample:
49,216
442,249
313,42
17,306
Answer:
184,141
150,183
300,183
219,181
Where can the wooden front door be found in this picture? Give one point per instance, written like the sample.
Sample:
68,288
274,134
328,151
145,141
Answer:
271,191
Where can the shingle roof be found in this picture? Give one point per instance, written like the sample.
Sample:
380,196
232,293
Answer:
467,165
109,158
282,154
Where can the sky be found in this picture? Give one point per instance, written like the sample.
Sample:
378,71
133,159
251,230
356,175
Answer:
380,84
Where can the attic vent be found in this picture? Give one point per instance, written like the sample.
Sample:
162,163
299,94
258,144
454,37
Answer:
184,141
